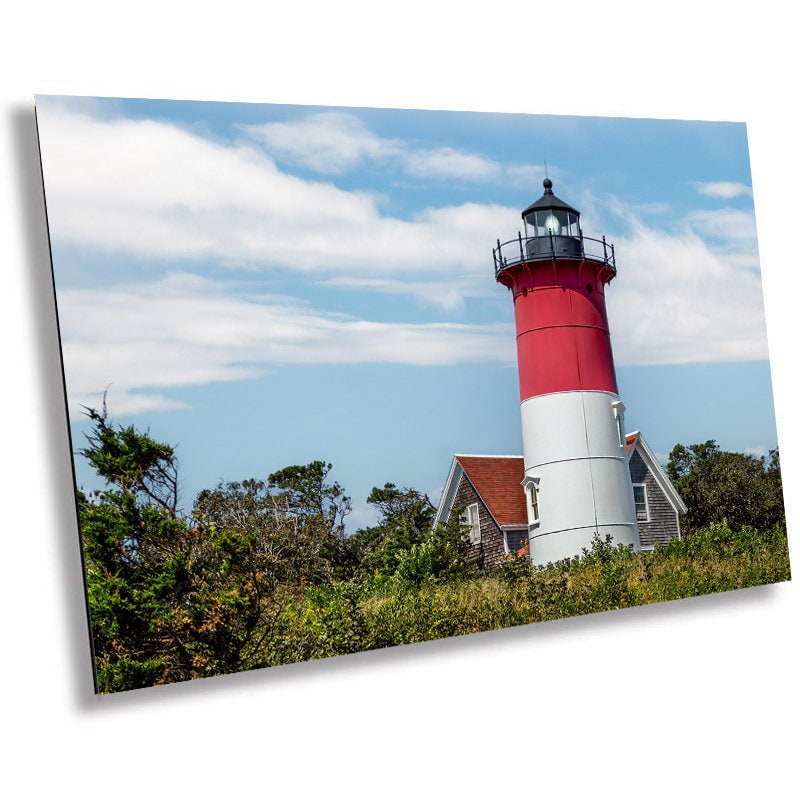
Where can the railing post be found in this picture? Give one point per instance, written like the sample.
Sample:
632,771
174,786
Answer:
605,252
583,252
613,258
521,254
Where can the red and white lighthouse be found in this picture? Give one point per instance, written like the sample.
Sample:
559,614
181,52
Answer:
577,479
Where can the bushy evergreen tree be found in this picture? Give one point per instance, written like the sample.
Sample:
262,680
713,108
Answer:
173,598
405,520
137,552
717,485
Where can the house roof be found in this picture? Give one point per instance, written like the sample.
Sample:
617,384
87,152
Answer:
498,480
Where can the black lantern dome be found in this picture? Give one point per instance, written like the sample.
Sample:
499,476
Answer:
552,227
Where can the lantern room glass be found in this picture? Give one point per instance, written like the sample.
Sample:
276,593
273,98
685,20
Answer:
556,221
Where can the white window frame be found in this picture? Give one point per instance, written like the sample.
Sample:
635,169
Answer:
471,517
532,502
646,517
619,415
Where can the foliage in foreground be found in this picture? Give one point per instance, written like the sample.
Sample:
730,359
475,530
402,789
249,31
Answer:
349,616
261,574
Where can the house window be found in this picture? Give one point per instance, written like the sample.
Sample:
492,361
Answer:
532,494
470,518
640,502
515,540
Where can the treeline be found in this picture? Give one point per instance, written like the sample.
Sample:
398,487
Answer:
260,573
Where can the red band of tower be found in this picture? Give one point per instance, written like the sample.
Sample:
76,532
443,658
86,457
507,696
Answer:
563,339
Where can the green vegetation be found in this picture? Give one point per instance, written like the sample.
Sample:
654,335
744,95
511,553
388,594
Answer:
350,616
717,485
261,573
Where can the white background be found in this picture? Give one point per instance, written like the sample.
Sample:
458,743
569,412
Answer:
690,699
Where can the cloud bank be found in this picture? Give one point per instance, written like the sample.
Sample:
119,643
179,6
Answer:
154,190
688,292
184,330
335,142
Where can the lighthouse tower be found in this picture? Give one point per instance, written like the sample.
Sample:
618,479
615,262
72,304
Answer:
577,481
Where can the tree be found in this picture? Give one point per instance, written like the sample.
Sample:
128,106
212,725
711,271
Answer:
317,504
258,554
172,598
404,540
306,493
717,485
139,466
407,504
137,551
405,520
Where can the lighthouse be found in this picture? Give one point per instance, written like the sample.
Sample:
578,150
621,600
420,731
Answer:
577,482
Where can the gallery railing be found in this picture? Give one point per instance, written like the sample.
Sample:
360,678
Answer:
537,248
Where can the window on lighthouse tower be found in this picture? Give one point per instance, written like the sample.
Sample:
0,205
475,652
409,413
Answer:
619,415
532,496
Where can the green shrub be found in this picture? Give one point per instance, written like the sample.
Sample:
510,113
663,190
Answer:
415,604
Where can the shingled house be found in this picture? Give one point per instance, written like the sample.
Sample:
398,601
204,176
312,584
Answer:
488,492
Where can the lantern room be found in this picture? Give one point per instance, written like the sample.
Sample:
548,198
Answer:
552,227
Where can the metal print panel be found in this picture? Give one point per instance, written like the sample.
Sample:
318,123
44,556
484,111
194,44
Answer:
294,340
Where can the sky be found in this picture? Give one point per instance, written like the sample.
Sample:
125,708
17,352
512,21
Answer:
266,285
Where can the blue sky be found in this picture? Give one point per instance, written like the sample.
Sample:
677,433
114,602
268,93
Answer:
264,285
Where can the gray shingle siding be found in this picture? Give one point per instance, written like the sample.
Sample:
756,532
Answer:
662,524
490,549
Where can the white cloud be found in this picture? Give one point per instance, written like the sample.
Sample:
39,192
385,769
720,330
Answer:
448,162
184,330
729,227
448,295
333,142
723,189
678,300
330,142
123,401
151,189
